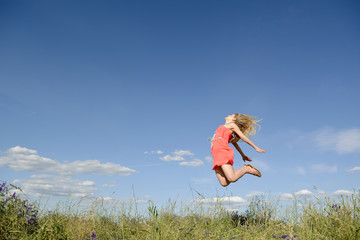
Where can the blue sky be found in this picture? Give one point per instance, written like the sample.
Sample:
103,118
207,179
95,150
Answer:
107,98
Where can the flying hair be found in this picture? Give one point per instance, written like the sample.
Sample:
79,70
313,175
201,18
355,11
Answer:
247,125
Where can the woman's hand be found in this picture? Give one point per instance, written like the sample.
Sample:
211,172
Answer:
260,150
234,139
246,158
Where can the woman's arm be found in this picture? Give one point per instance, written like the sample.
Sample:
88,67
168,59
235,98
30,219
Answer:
244,157
238,148
236,129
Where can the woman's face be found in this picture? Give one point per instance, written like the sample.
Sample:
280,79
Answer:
230,118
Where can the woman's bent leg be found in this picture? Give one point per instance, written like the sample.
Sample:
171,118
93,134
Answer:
231,175
221,177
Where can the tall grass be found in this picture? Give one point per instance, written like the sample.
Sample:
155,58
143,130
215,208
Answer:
264,219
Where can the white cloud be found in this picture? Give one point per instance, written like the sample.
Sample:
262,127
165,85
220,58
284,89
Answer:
322,168
24,159
354,169
299,194
233,199
141,201
108,185
342,192
286,197
303,193
106,198
177,156
87,183
169,158
19,158
62,186
21,150
342,141
41,176
154,152
183,153
95,166
193,163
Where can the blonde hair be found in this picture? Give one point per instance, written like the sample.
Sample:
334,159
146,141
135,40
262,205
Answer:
247,125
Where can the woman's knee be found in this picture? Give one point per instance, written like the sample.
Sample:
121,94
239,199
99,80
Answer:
229,173
231,178
225,184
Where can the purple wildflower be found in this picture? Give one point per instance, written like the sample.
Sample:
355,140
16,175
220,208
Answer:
285,236
32,221
2,187
207,233
336,207
93,236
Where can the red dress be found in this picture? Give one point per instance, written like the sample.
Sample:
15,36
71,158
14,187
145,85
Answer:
220,149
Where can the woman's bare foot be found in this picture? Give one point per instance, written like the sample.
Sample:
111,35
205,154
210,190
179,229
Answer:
251,170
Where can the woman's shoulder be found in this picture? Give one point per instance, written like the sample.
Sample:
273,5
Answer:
229,126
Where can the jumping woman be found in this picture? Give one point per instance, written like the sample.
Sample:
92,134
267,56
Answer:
236,127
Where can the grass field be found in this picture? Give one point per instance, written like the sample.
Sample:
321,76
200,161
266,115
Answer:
325,218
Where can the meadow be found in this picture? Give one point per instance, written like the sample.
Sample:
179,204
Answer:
325,218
